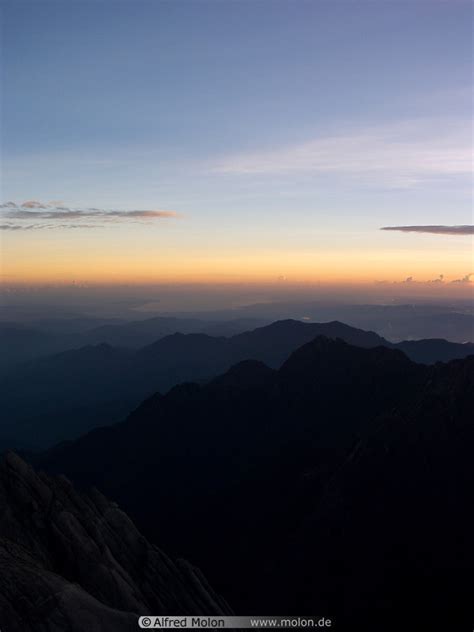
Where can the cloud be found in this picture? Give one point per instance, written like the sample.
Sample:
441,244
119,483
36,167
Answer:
14,227
33,210
140,214
439,279
34,204
46,226
57,213
465,279
466,229
403,154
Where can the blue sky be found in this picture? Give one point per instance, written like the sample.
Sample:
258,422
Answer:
271,127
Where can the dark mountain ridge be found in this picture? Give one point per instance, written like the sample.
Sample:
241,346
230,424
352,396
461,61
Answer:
25,341
340,483
250,449
71,392
140,333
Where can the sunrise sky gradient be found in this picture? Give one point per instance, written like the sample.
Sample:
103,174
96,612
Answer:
236,141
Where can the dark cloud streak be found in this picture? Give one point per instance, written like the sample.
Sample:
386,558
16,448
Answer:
466,229
15,227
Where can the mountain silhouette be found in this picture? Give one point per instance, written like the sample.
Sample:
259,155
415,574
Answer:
139,333
313,471
25,341
61,396
338,484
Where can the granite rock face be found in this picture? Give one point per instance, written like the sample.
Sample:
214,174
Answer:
76,562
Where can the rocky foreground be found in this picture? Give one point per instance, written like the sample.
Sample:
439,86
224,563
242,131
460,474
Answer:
76,562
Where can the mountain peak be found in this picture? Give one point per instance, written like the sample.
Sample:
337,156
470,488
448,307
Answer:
334,353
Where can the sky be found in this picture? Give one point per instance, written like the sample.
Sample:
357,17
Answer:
238,141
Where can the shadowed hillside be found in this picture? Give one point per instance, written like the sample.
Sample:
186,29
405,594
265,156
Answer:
61,396
347,469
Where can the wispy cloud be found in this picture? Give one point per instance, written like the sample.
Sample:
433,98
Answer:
59,216
466,229
404,153
15,227
140,214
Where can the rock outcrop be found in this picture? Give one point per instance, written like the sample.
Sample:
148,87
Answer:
76,562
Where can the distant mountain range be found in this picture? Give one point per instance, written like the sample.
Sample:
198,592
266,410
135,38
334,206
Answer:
76,562
394,321
22,342
338,484
29,338
58,397
140,333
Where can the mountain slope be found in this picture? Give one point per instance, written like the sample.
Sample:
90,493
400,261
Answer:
237,448
23,341
338,484
76,562
20,343
140,333
62,396
432,350
395,523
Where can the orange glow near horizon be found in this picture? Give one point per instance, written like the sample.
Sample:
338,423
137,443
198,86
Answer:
136,256
328,267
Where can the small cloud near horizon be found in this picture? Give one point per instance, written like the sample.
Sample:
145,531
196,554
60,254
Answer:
439,280
466,229
465,279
